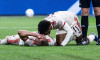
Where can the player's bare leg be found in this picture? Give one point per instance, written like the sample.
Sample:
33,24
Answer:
60,38
90,38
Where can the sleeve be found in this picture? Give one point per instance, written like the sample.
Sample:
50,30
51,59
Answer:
50,40
21,42
61,24
69,31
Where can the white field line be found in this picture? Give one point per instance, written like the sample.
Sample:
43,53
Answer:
16,27
25,27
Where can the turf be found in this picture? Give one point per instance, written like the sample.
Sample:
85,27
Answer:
10,26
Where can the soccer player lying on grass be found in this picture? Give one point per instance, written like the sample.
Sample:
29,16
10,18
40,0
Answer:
24,36
64,22
28,38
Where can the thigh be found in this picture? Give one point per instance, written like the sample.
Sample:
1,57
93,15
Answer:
84,3
60,38
96,11
96,3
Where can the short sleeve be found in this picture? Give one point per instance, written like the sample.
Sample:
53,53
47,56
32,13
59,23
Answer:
61,24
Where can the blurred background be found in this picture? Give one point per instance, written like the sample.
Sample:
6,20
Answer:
40,7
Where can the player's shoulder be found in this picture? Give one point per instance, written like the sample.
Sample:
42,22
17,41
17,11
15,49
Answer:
50,40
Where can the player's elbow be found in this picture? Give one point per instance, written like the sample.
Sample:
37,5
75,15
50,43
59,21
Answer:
20,32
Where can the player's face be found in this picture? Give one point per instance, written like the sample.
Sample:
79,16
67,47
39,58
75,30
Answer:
41,42
37,42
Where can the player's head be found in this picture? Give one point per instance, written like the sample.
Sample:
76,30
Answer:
44,27
42,42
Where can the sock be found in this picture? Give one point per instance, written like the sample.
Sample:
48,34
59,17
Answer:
98,25
3,42
91,38
84,25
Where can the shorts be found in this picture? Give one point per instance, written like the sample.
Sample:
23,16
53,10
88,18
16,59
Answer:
86,3
76,31
73,37
60,32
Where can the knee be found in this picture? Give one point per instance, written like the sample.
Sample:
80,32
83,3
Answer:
85,11
97,11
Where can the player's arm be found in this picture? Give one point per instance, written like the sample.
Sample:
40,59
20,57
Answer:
67,28
69,31
24,34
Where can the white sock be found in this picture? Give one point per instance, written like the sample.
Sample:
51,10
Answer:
3,42
91,38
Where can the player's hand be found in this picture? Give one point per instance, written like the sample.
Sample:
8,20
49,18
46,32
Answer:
40,36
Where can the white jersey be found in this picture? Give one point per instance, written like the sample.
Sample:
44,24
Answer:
58,19
50,40
30,41
15,39
67,21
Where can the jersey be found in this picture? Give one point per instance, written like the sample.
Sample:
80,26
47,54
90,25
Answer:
15,40
50,40
67,21
31,41
58,19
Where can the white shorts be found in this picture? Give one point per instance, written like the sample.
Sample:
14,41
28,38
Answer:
73,37
76,31
60,32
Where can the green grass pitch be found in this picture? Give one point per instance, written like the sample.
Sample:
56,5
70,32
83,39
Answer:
10,26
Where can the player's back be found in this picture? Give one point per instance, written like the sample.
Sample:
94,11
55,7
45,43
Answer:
62,16
67,16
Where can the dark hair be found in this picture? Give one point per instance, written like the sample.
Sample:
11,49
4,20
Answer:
43,26
42,42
